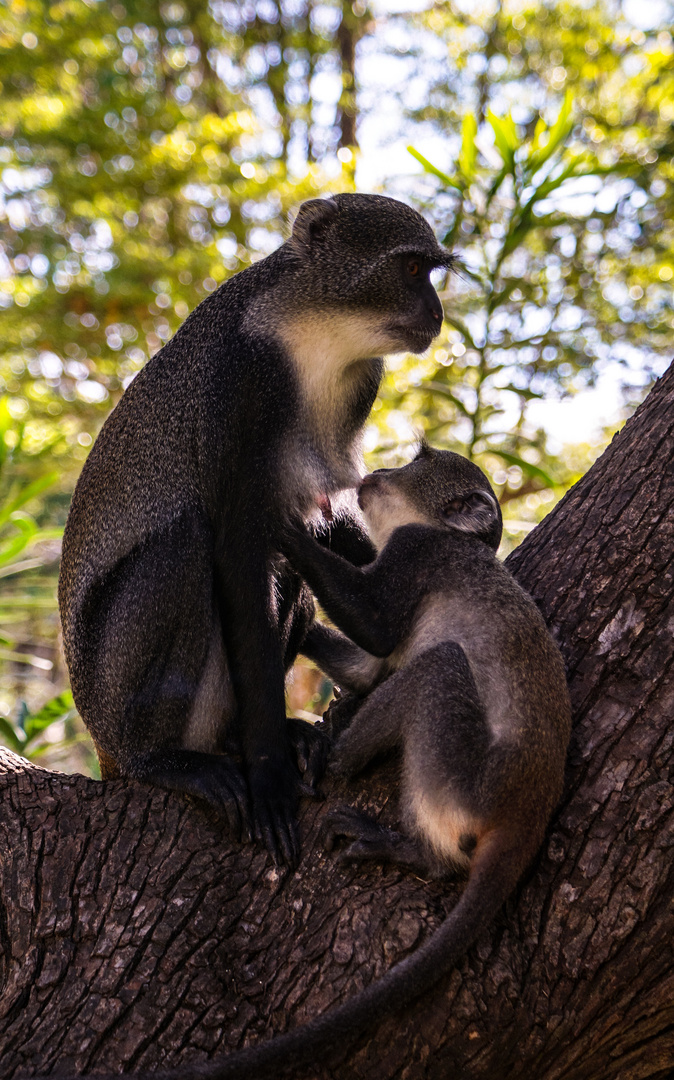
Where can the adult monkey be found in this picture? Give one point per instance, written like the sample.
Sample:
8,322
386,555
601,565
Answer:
179,618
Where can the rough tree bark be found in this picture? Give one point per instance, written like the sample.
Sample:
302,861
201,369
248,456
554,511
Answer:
134,934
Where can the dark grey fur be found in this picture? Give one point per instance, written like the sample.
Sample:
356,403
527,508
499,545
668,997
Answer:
179,617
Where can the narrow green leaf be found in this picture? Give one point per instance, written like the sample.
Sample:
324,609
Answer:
9,604
43,748
451,182
440,388
26,658
496,183
505,136
58,708
528,395
10,736
468,152
539,132
27,493
525,466
558,132
452,320
26,529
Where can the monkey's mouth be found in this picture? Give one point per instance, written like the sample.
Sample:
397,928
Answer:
416,338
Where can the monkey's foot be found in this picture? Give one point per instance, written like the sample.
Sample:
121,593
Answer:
208,778
275,788
372,842
311,747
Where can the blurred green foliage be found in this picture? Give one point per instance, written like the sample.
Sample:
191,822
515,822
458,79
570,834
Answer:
43,733
551,174
149,149
133,181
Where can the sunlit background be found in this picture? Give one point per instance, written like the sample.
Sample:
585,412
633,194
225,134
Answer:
148,151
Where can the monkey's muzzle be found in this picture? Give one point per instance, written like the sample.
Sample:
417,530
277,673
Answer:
367,485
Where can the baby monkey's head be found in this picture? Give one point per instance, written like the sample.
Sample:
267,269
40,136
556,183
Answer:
438,488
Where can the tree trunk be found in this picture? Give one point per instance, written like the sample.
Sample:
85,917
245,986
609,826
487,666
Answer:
134,934
351,28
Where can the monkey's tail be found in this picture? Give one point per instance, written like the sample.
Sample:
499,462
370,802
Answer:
497,865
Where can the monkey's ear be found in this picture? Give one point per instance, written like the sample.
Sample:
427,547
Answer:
424,448
476,512
313,218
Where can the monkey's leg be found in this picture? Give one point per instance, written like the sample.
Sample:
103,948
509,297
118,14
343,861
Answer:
372,842
448,742
249,619
145,642
295,610
295,613
375,729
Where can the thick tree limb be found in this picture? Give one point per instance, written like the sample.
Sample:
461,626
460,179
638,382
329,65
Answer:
135,935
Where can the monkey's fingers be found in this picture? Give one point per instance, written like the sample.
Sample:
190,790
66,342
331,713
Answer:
235,805
279,836
274,790
225,789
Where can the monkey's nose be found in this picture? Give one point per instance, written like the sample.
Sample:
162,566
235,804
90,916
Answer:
368,483
371,480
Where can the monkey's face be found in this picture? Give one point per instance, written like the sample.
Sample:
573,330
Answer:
371,257
418,317
438,488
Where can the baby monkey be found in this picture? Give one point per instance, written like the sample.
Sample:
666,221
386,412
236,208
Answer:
459,671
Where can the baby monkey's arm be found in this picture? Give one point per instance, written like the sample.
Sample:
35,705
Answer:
349,666
348,594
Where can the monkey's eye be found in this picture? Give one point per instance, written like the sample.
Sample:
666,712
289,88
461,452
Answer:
413,267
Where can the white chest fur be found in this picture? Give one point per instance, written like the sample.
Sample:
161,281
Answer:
331,354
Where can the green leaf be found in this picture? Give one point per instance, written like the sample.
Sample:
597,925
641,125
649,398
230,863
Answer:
525,466
558,132
26,658
5,424
452,320
26,494
26,529
505,137
528,395
496,183
440,388
10,604
448,180
11,736
59,708
468,152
